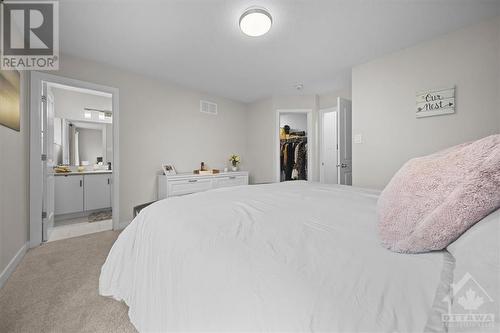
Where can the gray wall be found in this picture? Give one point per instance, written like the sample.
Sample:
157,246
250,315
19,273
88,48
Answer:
14,171
383,93
161,123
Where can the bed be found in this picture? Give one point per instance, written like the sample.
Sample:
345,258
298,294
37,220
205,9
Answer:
288,257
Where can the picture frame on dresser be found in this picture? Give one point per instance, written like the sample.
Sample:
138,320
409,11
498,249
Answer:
168,169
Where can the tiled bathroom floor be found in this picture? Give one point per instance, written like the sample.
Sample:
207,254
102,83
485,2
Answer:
78,229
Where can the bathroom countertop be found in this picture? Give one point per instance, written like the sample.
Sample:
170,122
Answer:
76,173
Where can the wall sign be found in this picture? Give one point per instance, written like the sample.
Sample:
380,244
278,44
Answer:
435,102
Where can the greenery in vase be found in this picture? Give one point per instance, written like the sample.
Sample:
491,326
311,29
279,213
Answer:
234,159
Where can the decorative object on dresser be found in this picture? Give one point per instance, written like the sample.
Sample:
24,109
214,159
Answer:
168,169
187,183
205,171
235,160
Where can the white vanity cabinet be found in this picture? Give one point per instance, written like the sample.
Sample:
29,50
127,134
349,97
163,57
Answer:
181,184
97,191
68,194
82,192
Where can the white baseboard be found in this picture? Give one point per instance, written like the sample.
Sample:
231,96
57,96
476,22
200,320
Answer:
13,264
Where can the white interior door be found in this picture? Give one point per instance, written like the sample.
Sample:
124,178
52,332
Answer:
328,146
47,148
344,165
51,162
44,146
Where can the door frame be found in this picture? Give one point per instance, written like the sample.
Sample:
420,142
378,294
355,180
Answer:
321,143
310,142
36,174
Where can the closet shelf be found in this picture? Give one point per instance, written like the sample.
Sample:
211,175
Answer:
296,139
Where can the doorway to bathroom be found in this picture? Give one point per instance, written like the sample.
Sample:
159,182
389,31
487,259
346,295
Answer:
73,151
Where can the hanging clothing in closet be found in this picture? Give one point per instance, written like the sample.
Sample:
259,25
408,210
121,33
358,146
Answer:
293,158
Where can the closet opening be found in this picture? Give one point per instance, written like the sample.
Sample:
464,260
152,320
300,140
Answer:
294,145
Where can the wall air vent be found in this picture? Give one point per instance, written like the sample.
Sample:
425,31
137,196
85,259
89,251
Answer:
208,107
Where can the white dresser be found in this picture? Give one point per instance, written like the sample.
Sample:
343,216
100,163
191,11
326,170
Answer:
187,183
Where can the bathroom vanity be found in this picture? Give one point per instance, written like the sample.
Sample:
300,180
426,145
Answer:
79,192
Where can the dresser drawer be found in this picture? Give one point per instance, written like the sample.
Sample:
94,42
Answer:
187,186
227,181
187,183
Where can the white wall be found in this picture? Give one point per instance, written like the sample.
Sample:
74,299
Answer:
384,100
261,129
260,144
296,121
329,99
159,123
14,182
70,104
90,144
261,119
108,141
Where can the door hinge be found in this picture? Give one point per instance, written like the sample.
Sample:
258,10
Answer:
44,98
44,215
44,157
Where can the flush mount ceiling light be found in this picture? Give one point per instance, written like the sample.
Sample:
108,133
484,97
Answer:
255,21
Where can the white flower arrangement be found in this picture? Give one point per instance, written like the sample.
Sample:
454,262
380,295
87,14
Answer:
234,159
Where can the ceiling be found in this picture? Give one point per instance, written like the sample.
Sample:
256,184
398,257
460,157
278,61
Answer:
198,44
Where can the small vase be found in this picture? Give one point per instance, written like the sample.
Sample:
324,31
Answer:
234,168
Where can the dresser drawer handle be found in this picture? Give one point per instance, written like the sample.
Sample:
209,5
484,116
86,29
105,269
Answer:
232,177
193,180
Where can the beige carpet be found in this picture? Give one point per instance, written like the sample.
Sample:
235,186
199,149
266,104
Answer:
55,289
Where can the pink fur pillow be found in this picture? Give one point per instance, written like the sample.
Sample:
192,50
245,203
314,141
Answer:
433,199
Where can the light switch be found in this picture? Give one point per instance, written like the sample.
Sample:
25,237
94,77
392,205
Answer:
358,138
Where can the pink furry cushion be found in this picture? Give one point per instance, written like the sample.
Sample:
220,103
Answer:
433,199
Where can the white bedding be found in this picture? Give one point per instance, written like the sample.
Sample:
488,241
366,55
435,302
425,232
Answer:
294,256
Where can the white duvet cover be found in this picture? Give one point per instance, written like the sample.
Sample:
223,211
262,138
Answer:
289,257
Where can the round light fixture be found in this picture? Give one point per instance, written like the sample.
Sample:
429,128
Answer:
255,21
